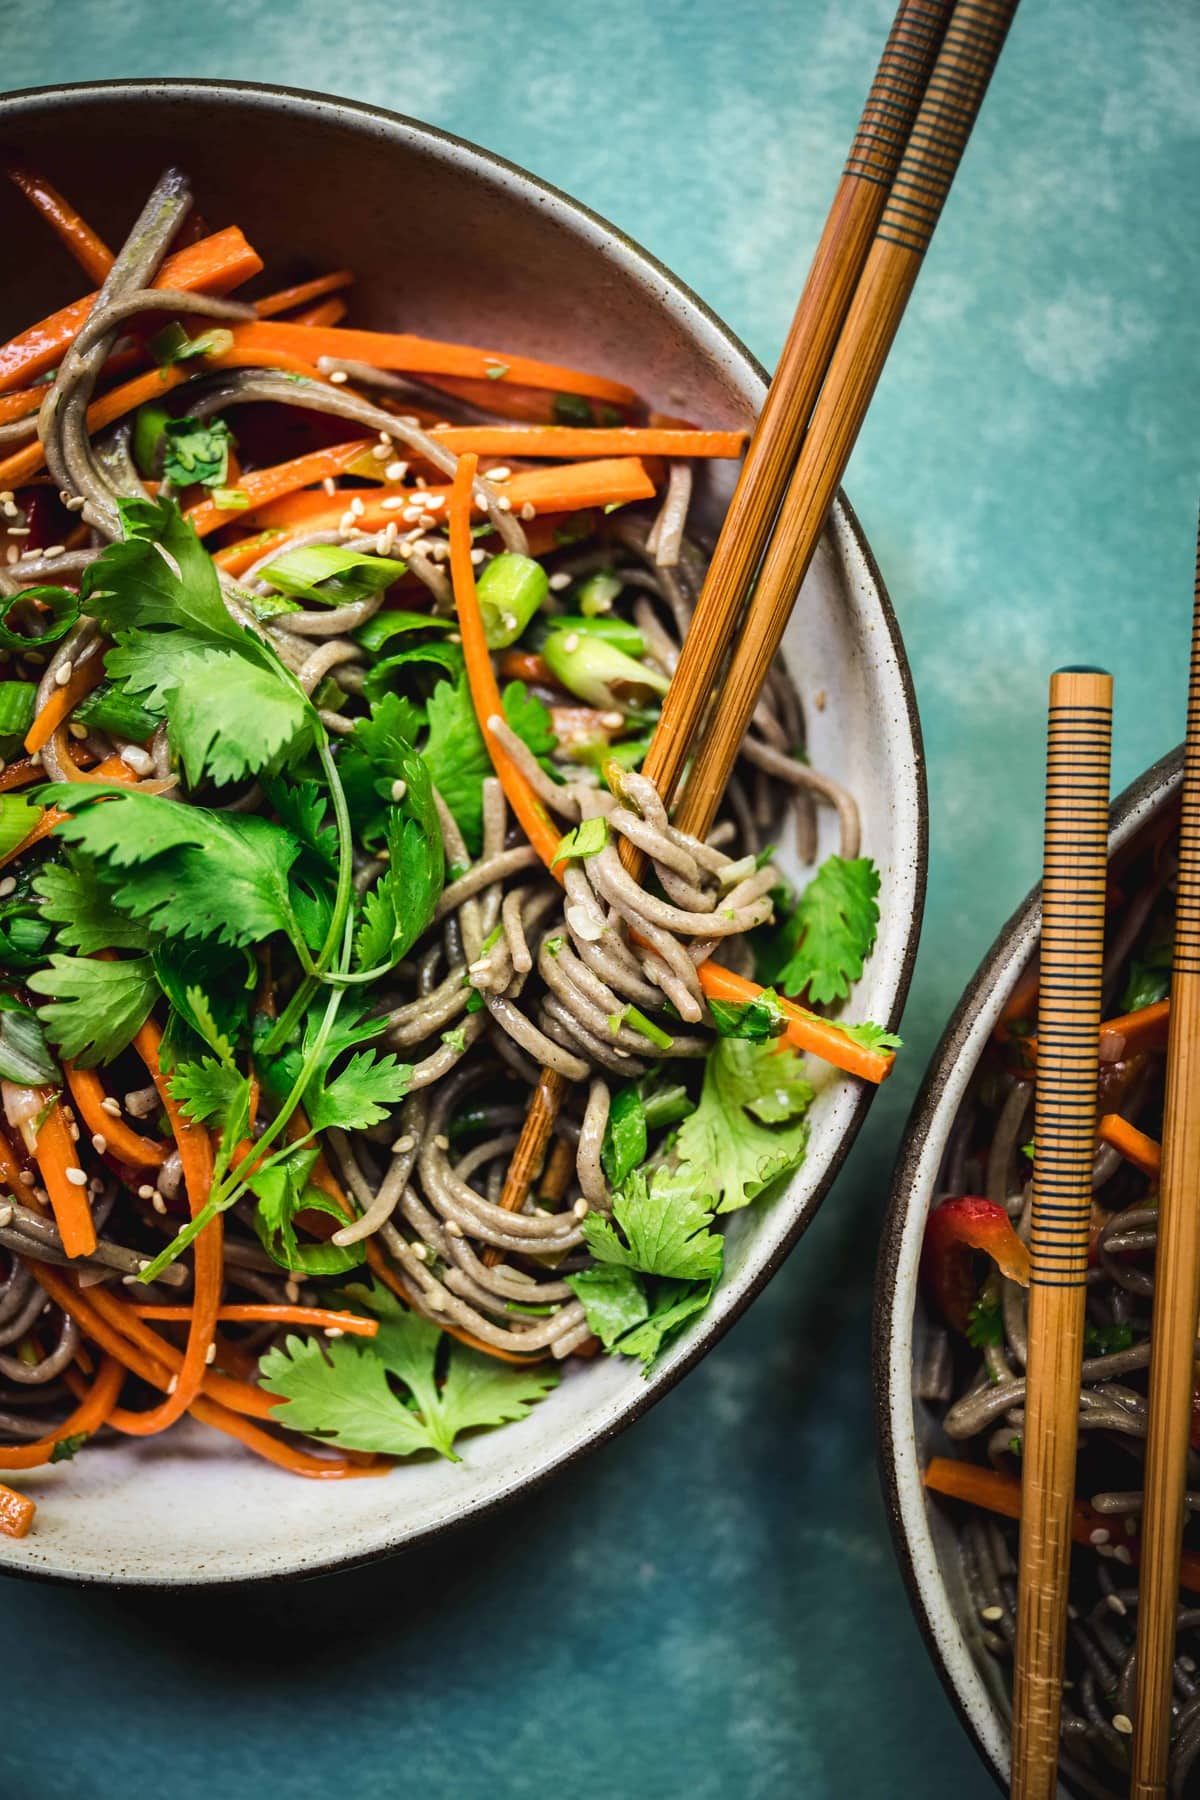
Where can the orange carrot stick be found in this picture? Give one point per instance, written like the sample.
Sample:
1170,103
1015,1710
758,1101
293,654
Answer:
417,355
567,487
235,559
805,1030
1127,1035
88,1093
213,266
1134,1145
93,1410
86,246
303,292
63,701
16,1513
20,404
111,769
57,1159
22,465
316,1318
518,441
535,821
10,1168
265,485
326,312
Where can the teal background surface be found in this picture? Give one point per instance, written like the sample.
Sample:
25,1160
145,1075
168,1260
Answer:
709,1607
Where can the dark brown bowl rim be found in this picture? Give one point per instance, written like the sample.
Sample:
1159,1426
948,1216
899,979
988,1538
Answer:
1155,782
461,150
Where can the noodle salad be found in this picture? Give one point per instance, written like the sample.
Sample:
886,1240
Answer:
328,662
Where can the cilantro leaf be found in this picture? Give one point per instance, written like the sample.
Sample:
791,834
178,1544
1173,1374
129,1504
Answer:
585,839
749,1127
177,852
158,574
356,1097
870,1035
665,1227
196,450
68,1447
282,1192
457,755
24,1057
985,1324
823,945
343,1392
373,758
614,1299
398,908
756,1020
675,1302
232,718
625,1135
95,1006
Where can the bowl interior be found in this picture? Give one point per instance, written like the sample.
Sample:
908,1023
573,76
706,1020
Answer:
925,1528
450,242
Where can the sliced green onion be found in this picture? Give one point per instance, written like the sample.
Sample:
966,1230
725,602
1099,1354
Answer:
587,665
172,344
597,593
510,590
572,409
330,696
618,632
667,1106
269,606
231,499
332,576
18,817
637,1021
24,1056
18,702
386,625
49,611
109,708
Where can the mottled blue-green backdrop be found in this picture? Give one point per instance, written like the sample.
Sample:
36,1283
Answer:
708,1607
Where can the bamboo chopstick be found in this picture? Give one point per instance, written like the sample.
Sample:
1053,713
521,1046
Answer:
891,107
904,217
1072,957
1176,1294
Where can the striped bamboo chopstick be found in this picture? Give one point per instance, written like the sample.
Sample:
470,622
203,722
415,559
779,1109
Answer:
879,142
1072,957
1176,1295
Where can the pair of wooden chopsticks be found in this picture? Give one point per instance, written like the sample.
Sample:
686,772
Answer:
927,91
1072,952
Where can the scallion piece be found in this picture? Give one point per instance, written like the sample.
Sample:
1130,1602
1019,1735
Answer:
510,589
36,617
109,708
18,817
618,632
386,625
329,575
598,672
18,701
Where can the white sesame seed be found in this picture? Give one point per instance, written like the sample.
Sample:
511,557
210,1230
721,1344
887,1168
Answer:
1100,1535
434,502
381,452
402,1145
387,538
210,1355
357,507
338,376
503,473
503,503
6,495
7,886
137,759
77,731
172,1384
10,555
54,550
63,672
411,515
478,556
76,1177
99,1143
571,642
441,1141
993,1614
27,1177
612,721
581,1209
435,1303
1117,1605
421,482
17,530
110,1104
391,502
559,580
396,471
1123,1723
75,503
1122,1554
528,511
334,1331
346,522
399,789
420,1252
157,1202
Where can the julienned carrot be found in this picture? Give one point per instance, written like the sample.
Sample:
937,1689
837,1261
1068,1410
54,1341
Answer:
129,1146
805,1030
20,773
122,1316
84,677
16,1513
264,485
302,293
316,1318
324,313
86,246
527,665
571,441
400,351
92,1412
10,1168
535,821
22,465
213,266
153,1369
57,1159
566,488
235,559
195,1154
1134,1145
20,404
997,1493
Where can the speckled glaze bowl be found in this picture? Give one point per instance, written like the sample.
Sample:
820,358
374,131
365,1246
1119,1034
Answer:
925,1528
450,241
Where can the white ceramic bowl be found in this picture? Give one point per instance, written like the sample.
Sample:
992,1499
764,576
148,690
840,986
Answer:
488,255
924,1528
